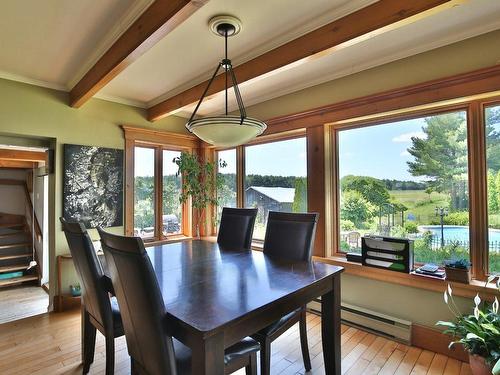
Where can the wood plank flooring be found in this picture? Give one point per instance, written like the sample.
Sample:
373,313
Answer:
21,302
50,344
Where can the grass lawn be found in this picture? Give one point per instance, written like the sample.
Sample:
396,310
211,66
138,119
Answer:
420,204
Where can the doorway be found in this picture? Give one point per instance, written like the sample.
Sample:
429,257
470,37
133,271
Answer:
24,250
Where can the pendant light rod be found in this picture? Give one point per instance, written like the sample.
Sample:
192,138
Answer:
224,30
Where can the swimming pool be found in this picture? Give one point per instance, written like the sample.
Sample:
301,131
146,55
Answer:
457,233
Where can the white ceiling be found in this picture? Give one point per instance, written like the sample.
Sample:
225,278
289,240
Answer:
53,43
57,41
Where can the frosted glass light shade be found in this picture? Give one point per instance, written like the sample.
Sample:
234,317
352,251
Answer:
226,131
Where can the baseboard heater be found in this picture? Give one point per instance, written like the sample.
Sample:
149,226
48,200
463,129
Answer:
374,322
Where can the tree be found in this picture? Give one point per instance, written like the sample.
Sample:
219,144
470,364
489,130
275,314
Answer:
442,156
372,189
300,195
355,208
493,138
492,192
200,182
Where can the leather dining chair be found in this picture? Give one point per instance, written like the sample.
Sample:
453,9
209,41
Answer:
288,236
152,350
99,310
236,228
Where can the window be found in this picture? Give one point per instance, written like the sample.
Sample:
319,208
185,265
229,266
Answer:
172,185
275,179
407,179
227,193
144,192
492,123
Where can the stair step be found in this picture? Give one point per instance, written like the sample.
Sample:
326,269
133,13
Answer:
14,245
13,268
11,225
16,256
13,234
17,280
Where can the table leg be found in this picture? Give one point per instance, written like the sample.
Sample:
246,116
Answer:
330,328
208,356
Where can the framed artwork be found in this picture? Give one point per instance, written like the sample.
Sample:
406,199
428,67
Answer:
93,185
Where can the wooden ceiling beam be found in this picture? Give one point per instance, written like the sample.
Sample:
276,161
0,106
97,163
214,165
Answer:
159,19
379,17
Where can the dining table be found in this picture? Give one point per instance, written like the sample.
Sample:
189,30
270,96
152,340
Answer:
215,296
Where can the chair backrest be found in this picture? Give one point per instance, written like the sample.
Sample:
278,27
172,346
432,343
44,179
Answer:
141,303
89,272
236,228
290,235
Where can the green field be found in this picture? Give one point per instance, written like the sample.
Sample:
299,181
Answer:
420,204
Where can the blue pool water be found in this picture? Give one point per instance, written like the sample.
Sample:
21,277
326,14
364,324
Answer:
457,233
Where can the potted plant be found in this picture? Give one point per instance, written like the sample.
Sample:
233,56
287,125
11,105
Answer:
479,333
457,270
200,182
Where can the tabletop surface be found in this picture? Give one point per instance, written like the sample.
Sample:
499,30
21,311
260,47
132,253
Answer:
207,287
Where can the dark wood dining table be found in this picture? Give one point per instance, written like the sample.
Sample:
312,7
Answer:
215,297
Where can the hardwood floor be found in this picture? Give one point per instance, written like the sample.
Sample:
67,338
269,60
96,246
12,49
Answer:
21,302
50,344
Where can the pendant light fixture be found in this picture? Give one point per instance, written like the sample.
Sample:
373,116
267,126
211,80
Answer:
225,130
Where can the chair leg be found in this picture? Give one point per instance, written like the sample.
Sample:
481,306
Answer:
110,355
88,341
303,340
251,368
265,357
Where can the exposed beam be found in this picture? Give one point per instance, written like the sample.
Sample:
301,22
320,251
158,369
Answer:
21,155
377,18
159,19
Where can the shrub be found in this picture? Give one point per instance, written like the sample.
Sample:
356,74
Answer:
398,231
454,218
347,225
355,208
411,227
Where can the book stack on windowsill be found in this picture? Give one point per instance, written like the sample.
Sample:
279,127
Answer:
430,270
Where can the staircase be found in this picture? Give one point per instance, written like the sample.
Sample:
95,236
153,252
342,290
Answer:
16,251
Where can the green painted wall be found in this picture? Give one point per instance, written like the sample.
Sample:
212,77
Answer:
31,115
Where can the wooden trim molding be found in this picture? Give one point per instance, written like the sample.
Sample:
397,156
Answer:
439,286
377,18
158,20
459,87
157,140
22,155
434,340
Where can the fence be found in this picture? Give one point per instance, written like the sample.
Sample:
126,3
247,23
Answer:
493,246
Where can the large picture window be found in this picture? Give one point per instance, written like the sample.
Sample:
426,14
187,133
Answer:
492,132
275,179
407,179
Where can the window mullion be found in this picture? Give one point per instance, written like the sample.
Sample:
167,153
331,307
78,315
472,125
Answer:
159,193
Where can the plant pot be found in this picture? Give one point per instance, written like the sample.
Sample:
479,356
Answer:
457,274
478,365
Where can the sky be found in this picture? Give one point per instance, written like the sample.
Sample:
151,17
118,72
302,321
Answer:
379,151
285,158
144,162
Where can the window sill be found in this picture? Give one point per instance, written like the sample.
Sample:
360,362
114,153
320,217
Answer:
414,281
171,239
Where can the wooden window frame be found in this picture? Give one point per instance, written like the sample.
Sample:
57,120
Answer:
159,141
477,175
240,163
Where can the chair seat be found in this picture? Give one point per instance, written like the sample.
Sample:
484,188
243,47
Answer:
117,318
183,353
274,327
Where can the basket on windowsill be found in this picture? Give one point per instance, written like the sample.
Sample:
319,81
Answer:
458,270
